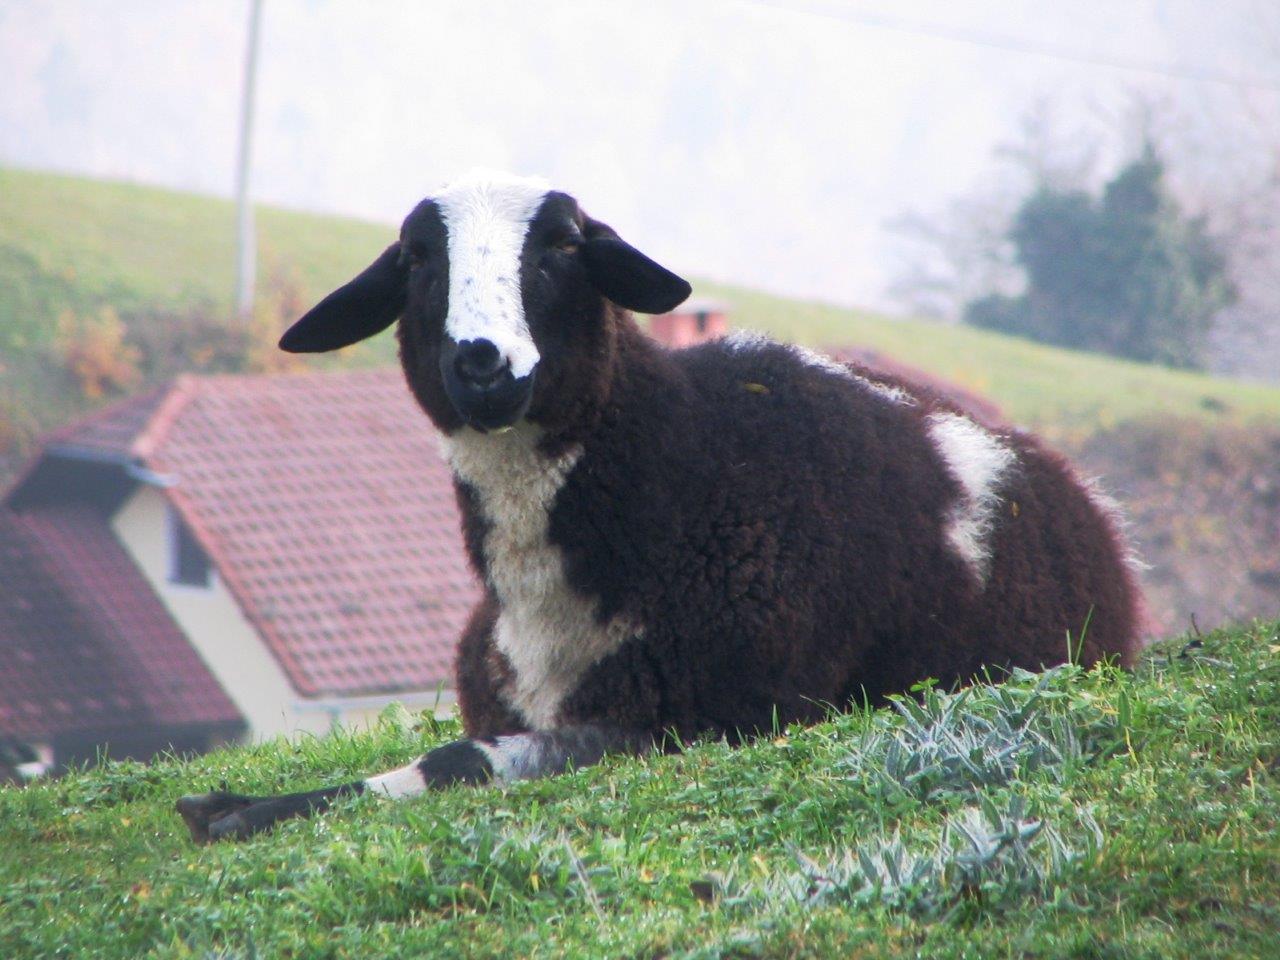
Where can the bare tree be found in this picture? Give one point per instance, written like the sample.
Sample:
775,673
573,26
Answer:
1222,146
952,256
1228,144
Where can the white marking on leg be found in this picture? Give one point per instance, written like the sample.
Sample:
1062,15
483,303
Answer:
978,461
404,782
549,632
487,216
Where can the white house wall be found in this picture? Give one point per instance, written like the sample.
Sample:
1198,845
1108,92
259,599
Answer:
213,622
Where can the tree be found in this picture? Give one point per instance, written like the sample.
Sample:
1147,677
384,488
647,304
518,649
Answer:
1126,273
952,255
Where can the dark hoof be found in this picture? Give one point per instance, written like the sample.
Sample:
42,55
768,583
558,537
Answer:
230,816
233,827
202,812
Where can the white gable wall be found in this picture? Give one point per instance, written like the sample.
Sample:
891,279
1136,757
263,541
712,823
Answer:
213,622
231,648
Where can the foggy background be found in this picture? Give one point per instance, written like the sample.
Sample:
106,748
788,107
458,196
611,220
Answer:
782,145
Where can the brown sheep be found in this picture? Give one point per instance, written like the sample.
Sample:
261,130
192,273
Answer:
698,542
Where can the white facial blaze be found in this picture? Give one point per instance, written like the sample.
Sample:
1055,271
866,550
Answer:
487,216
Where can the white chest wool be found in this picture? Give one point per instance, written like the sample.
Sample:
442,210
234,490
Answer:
549,632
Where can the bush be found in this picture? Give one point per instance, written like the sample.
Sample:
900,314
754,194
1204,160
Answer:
1126,274
93,351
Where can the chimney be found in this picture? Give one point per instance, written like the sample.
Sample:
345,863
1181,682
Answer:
695,320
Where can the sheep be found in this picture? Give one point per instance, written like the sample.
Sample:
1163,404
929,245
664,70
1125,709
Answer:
692,543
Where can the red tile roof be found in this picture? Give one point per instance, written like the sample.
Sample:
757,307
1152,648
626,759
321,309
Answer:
327,509
85,644
114,428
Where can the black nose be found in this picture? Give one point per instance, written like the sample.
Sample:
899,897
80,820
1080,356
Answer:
479,364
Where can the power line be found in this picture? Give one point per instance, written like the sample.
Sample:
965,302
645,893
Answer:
1029,47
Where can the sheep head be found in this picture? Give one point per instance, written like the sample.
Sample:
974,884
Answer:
503,290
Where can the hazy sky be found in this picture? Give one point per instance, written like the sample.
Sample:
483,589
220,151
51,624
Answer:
765,143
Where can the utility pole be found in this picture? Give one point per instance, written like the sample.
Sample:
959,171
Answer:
246,241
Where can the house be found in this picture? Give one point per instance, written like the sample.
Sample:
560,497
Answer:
88,653
229,557
695,320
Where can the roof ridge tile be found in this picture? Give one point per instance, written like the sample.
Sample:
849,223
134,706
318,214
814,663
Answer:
182,389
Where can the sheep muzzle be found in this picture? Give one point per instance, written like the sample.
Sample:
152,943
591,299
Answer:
481,386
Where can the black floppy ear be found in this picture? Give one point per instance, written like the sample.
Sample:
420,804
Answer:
367,305
626,276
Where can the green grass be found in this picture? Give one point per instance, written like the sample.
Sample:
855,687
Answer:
69,243
1061,392
72,243
714,852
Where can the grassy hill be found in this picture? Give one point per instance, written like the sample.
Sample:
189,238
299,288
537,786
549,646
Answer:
72,243
1072,814
76,244
1063,393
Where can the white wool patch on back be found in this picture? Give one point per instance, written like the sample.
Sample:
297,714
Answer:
548,632
742,341
883,390
979,461
487,216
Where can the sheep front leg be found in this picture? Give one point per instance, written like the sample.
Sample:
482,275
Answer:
527,756
519,756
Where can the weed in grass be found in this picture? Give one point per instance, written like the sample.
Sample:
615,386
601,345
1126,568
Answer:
980,737
986,856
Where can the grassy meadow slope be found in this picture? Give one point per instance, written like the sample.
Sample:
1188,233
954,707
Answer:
72,243
75,244
1063,393
1075,814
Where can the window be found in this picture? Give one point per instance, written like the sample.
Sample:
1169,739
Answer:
188,563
